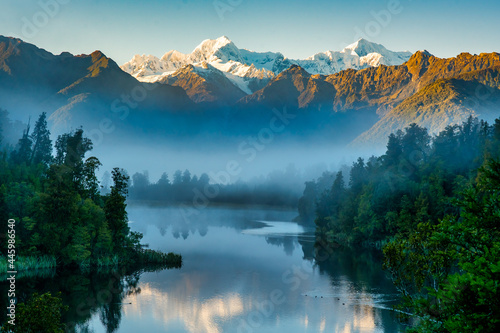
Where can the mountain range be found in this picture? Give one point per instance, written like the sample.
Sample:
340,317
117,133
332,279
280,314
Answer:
359,94
250,71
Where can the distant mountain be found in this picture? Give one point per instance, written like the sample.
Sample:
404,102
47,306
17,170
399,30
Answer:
205,84
244,68
379,89
385,87
250,70
221,89
427,90
441,103
295,88
74,90
359,55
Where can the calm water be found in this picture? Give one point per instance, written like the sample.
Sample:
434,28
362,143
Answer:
245,270
251,271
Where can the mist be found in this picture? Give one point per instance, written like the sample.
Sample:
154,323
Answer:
227,164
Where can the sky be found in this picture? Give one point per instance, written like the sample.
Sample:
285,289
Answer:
298,29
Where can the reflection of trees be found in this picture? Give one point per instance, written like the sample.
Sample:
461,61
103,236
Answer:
203,230
175,218
361,265
307,244
86,293
111,314
287,242
185,230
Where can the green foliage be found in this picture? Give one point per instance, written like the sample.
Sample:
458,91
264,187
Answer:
438,212
23,151
413,183
42,313
147,256
115,208
450,273
42,145
59,211
35,262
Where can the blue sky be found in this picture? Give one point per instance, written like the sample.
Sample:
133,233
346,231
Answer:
122,28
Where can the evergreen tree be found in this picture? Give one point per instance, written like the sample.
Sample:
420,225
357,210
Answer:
57,214
306,205
204,180
186,177
163,181
42,145
23,152
115,209
70,151
415,143
90,182
358,175
394,150
177,177
449,274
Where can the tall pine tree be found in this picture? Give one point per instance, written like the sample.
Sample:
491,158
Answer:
42,145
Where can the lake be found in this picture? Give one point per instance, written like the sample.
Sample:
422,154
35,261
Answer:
244,270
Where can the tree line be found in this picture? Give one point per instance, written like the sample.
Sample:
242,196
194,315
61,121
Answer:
277,190
432,204
57,205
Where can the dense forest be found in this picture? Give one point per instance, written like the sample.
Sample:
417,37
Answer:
433,205
60,216
279,188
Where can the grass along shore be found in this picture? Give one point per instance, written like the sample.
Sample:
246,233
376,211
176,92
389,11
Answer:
23,263
139,257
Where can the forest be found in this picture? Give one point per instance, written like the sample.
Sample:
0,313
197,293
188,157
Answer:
61,218
277,189
432,204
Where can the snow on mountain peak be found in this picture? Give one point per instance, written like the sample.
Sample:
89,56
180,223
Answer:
222,48
212,45
243,66
144,65
362,47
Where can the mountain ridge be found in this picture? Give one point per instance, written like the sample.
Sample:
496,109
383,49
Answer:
73,90
444,102
371,102
224,55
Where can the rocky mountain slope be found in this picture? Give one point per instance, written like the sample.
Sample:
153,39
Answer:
220,88
250,71
75,90
441,103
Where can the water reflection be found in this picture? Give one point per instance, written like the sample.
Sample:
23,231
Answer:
193,316
184,222
97,293
232,270
244,271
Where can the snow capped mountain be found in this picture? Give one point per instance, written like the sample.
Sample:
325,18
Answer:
147,67
205,83
359,55
250,71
